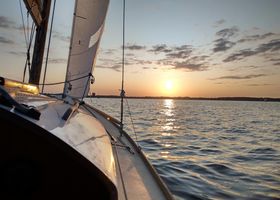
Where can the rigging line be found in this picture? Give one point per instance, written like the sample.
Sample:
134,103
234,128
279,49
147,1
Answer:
133,126
27,26
122,90
48,49
30,43
23,24
27,62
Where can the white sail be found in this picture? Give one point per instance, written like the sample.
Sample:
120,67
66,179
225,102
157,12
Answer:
88,23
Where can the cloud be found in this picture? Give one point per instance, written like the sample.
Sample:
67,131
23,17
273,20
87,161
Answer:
57,60
188,66
130,54
109,51
257,85
4,40
5,22
272,46
240,55
61,37
134,47
275,59
116,67
219,22
143,62
17,53
227,32
180,57
175,57
180,52
222,45
255,37
161,48
198,58
251,76
177,52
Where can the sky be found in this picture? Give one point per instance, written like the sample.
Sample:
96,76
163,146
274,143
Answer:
196,48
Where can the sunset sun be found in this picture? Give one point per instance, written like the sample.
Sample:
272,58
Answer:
168,85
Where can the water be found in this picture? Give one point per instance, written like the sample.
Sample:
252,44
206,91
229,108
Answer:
208,149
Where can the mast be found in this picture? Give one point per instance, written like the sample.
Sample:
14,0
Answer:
39,46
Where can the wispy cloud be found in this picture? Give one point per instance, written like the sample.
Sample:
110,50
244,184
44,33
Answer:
161,48
134,47
61,36
4,40
109,51
180,57
180,52
257,85
186,65
219,22
57,60
17,53
228,32
251,76
115,67
222,45
271,46
5,22
255,37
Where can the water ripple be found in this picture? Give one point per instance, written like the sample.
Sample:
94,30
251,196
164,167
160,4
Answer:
209,149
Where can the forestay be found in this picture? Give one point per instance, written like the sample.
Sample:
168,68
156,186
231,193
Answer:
88,24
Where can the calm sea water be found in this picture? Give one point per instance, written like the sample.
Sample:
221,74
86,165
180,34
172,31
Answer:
208,149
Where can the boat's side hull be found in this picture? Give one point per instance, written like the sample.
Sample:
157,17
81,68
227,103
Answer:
35,164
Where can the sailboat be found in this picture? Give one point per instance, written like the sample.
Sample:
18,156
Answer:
57,146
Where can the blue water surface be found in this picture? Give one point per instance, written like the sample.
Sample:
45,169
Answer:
207,149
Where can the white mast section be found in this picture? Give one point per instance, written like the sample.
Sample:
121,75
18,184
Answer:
88,24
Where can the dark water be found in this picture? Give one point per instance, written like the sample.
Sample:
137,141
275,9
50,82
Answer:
208,149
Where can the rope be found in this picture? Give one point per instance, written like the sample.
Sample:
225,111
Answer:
49,43
133,127
27,62
57,83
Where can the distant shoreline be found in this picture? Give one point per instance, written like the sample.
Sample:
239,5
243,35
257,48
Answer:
195,98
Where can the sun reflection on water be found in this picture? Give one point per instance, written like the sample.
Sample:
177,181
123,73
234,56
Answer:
167,126
168,107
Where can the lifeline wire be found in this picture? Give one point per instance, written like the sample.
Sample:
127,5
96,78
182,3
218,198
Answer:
62,82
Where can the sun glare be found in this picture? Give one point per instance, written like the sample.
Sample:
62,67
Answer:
168,85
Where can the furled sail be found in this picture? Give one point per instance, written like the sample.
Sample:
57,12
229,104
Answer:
88,24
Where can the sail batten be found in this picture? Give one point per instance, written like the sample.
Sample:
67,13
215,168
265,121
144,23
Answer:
88,24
